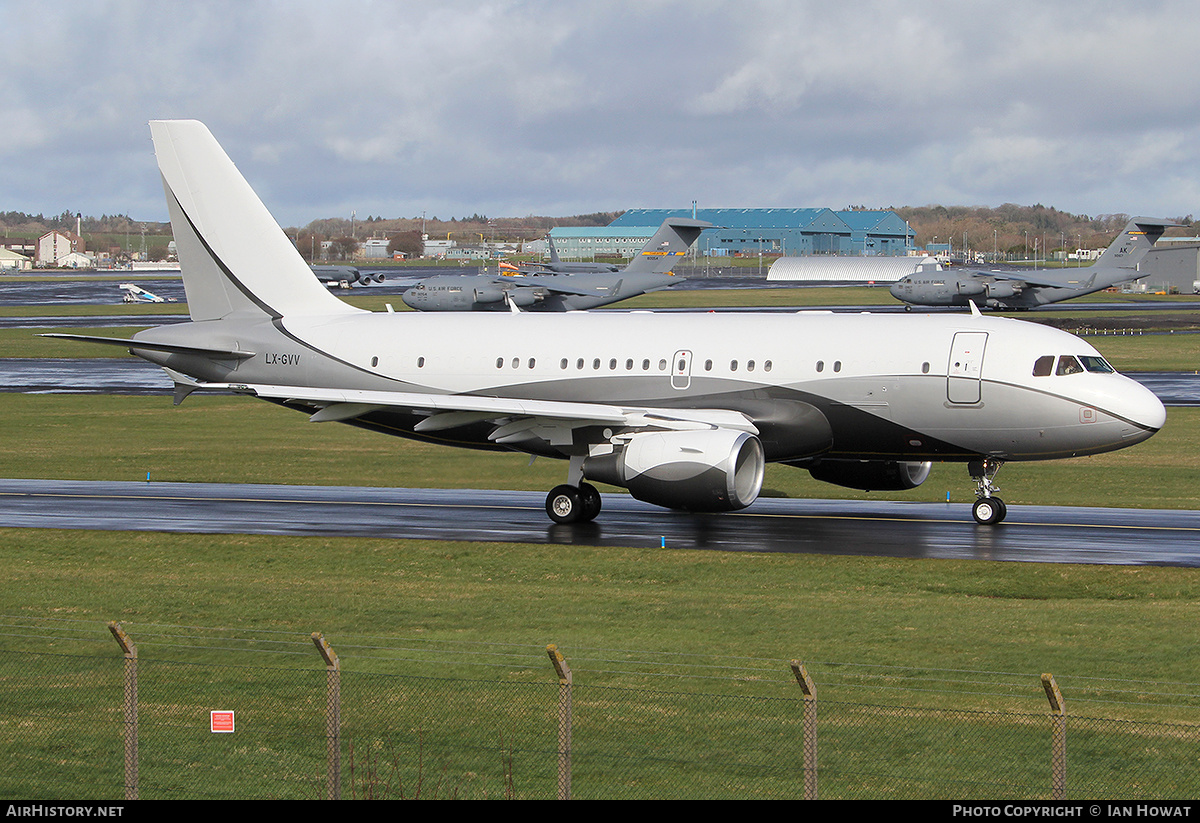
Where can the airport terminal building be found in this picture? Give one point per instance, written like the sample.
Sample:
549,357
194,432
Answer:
788,232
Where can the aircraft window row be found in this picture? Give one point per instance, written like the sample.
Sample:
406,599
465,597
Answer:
837,365
1070,364
613,364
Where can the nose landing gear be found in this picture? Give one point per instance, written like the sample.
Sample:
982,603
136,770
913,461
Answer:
988,509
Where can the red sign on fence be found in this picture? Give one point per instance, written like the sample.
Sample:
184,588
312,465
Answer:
219,721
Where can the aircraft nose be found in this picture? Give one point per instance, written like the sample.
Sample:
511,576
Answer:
1143,408
1142,411
896,288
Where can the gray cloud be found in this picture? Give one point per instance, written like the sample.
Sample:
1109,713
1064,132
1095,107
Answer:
506,107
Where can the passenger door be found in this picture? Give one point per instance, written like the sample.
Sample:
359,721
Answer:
965,370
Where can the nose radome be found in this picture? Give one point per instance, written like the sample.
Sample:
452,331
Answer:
1142,408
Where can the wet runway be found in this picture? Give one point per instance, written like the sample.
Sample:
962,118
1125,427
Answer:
834,527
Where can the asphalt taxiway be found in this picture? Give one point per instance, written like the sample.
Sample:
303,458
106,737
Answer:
1040,534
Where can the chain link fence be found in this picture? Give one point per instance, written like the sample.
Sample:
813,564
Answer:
165,712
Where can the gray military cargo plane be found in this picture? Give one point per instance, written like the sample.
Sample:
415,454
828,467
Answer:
559,286
1027,290
345,277
683,410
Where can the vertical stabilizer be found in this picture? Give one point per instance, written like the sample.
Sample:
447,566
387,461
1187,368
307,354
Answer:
667,246
1132,244
235,258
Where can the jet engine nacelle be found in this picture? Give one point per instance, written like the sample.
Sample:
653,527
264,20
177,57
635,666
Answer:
970,287
522,297
713,470
1002,288
489,295
872,475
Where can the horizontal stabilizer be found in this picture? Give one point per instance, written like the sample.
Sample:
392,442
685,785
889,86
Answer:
170,348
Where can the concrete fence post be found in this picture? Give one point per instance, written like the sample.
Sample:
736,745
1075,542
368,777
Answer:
130,702
333,718
564,720
810,729
1058,753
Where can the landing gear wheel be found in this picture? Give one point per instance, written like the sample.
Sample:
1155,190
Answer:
571,504
988,511
565,505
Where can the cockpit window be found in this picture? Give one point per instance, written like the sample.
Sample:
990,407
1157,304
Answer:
1043,366
1067,364
1096,364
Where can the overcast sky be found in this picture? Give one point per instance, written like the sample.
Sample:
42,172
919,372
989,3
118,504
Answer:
555,107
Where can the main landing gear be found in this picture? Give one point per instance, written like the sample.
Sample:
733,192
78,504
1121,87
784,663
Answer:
575,501
988,509
573,504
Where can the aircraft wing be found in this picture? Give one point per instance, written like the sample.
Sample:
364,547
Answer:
1033,280
516,418
559,284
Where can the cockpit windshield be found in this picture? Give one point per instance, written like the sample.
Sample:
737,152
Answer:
1095,363
1071,364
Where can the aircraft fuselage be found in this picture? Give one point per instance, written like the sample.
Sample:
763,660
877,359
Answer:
815,384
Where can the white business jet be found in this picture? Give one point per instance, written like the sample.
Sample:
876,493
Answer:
683,410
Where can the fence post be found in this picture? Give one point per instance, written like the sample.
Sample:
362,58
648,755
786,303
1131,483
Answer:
564,720
131,709
1058,755
333,718
810,729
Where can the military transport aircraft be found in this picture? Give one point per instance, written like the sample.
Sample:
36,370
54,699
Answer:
558,286
683,410
345,277
1025,290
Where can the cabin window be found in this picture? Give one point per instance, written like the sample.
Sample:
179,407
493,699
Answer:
1043,366
499,362
1068,365
420,362
925,368
612,364
516,362
579,363
733,365
767,366
596,363
629,364
662,365
562,364
708,365
820,365
749,365
645,365
837,365
374,362
532,362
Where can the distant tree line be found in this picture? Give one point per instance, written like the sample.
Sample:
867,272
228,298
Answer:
1015,230
18,222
